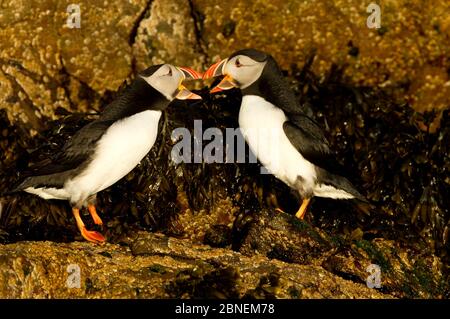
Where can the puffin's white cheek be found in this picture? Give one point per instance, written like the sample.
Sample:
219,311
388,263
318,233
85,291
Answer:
251,74
237,74
244,77
171,85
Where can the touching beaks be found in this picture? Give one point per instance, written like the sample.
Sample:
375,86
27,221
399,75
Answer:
217,69
183,92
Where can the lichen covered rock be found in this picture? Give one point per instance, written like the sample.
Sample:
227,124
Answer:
167,34
51,75
45,65
407,54
156,266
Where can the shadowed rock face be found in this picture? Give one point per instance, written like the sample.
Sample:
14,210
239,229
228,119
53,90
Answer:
51,75
45,65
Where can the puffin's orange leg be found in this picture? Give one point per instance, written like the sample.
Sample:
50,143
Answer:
91,236
97,220
302,210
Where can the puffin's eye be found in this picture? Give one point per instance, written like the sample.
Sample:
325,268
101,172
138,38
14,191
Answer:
238,63
170,72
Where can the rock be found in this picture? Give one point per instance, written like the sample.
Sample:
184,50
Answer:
407,271
218,236
281,236
49,73
45,65
407,55
168,35
157,266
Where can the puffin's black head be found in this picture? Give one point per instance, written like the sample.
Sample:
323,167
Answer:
241,69
254,54
168,80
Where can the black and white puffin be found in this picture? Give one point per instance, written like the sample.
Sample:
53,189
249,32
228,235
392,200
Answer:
107,149
288,143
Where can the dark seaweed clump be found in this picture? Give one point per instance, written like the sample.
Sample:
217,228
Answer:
149,198
401,168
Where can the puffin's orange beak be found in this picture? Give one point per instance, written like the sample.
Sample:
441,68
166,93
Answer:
183,92
217,70
214,70
189,74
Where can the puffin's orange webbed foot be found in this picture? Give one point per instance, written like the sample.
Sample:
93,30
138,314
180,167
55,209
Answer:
92,236
302,210
89,235
97,220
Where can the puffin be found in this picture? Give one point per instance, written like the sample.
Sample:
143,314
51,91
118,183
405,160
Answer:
289,144
107,149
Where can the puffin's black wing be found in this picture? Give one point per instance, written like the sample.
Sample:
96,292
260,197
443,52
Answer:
308,138
82,145
64,164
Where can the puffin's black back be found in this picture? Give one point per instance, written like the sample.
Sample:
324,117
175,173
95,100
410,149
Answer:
138,97
77,152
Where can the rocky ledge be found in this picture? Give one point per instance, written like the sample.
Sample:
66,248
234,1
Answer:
306,263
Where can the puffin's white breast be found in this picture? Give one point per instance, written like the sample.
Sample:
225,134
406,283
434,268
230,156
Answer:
261,124
119,150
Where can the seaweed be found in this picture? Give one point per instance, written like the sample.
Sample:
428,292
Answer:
387,148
